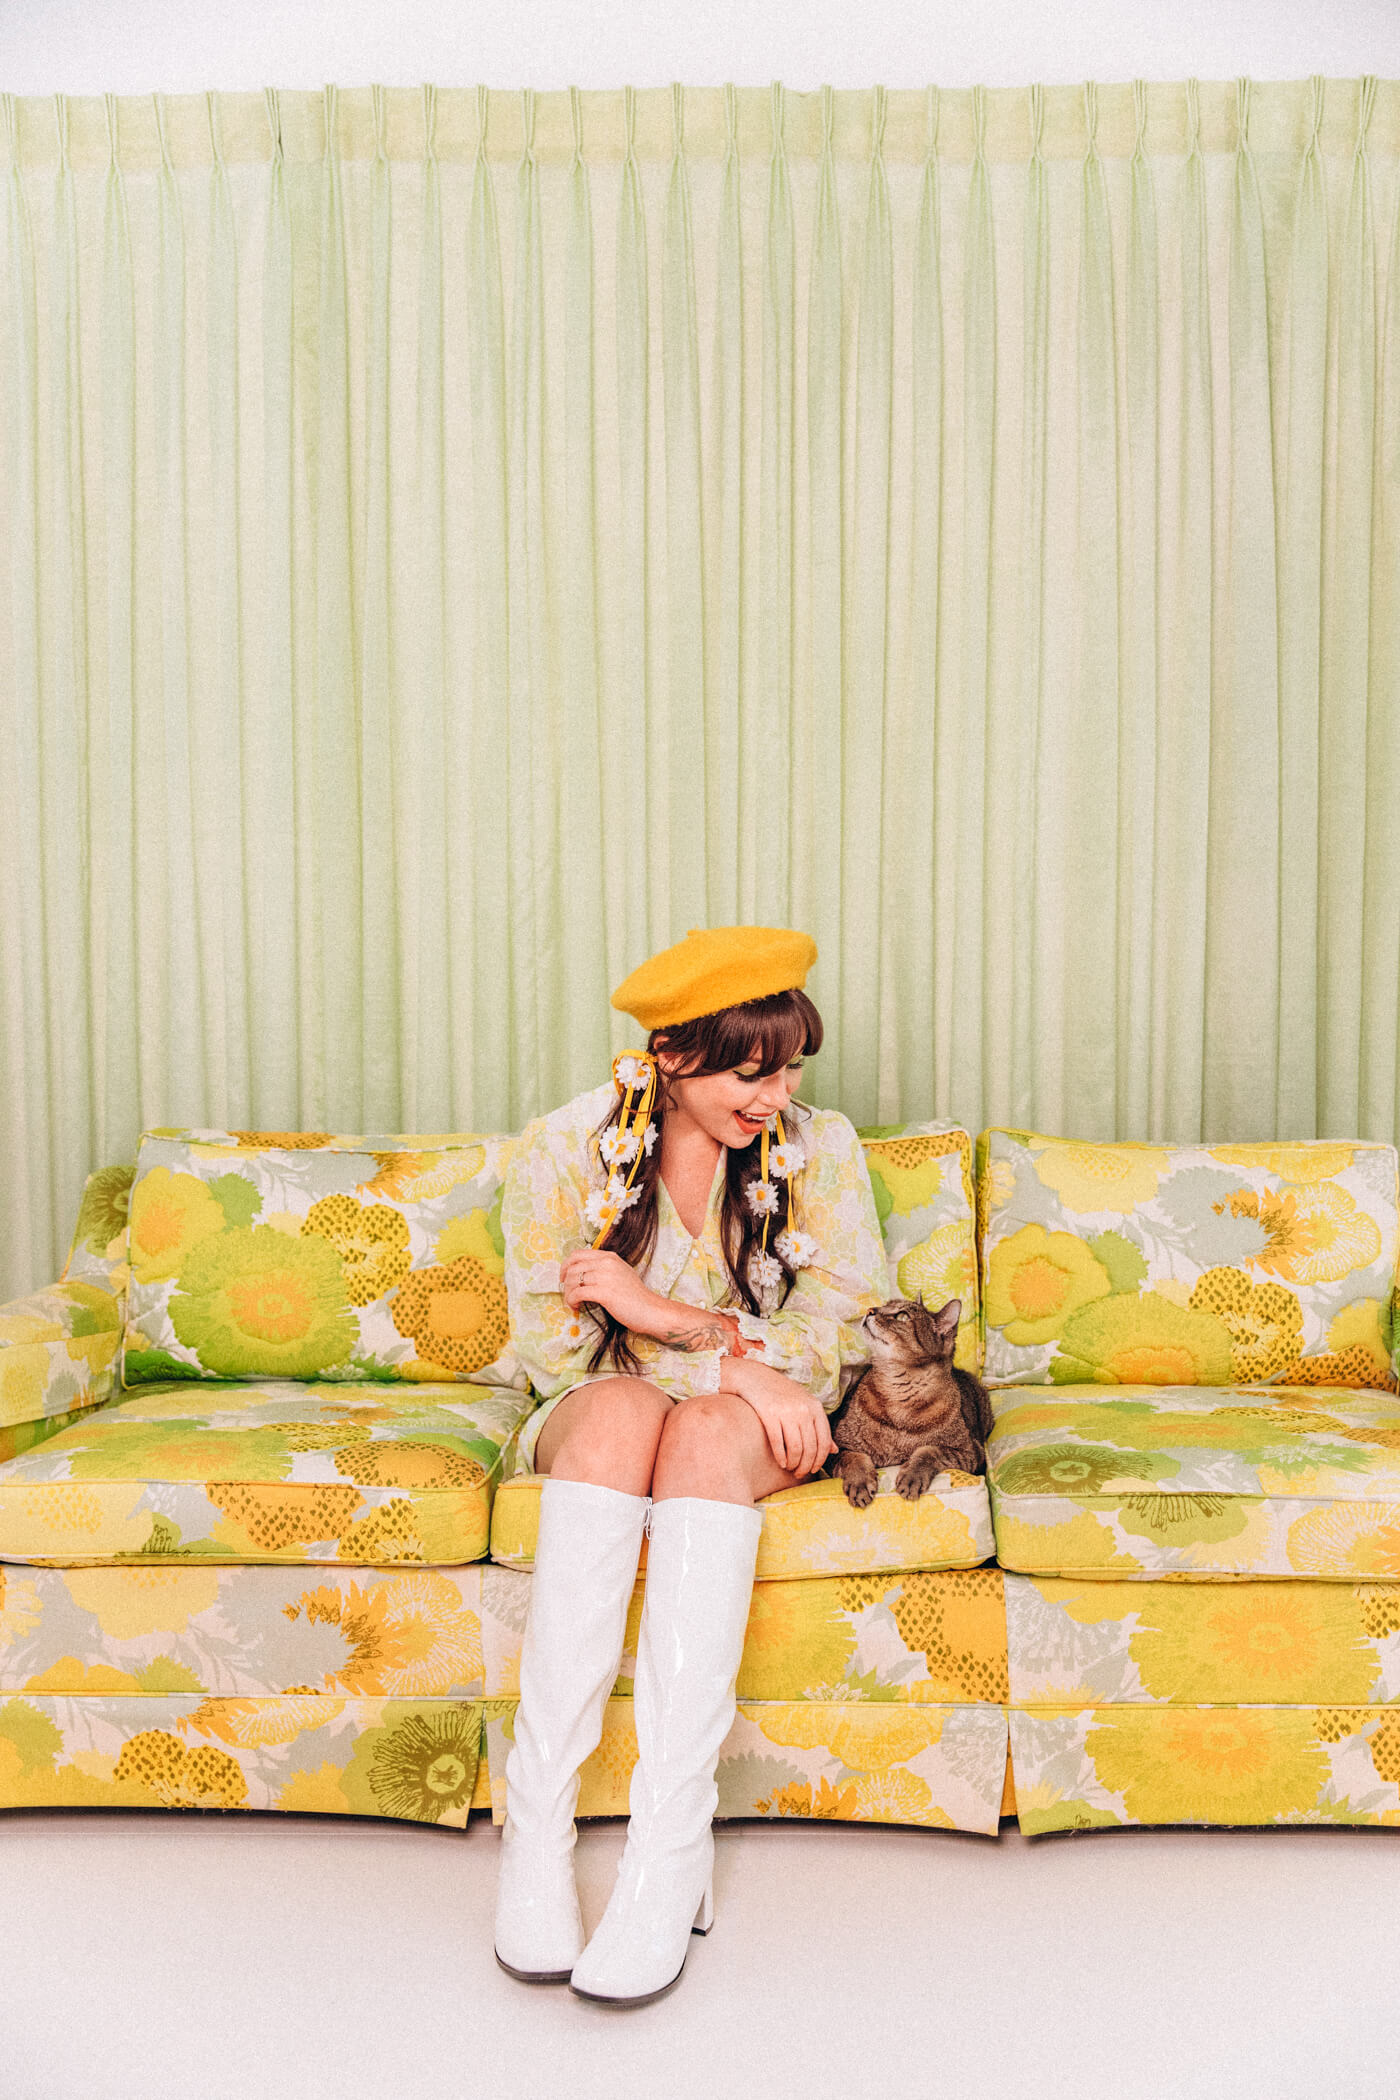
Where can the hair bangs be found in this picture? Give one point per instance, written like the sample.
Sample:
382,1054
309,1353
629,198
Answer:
767,1032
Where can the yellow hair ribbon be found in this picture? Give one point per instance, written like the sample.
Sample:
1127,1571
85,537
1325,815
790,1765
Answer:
640,1116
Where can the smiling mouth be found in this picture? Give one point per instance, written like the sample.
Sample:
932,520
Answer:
754,1123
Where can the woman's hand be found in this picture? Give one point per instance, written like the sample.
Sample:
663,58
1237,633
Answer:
592,1276
794,1420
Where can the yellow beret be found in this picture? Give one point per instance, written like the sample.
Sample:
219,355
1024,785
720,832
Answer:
713,967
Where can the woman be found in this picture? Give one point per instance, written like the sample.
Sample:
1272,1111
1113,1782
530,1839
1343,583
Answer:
685,1287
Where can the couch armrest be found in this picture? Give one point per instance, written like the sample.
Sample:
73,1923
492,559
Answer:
58,1352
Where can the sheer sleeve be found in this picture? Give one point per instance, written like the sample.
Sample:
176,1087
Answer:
816,1332
542,1223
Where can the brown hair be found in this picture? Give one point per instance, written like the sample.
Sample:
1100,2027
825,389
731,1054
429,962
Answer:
768,1033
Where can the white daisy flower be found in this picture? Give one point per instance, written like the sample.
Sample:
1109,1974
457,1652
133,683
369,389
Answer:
798,1249
618,1147
619,1196
648,1139
764,1274
763,1198
575,1331
601,1209
784,1160
631,1071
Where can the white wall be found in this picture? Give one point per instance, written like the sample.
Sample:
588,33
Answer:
133,46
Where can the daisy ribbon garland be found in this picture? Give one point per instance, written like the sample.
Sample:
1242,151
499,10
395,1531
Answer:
634,1074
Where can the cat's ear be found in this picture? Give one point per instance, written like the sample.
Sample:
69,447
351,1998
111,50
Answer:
946,1319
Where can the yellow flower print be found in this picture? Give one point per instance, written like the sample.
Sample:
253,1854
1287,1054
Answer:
282,1140
19,1608
249,1723
1265,1322
897,1796
429,1642
940,1267
170,1214
911,1167
468,1235
1210,1765
1347,1538
418,1177
1072,1545
830,1803
1361,1325
995,1187
143,1600
455,1314
1093,1178
315,1793
1036,1280
1315,1233
865,1736
797,1634
179,1778
22,1381
371,1240
1303,1162
1275,1643
1143,1340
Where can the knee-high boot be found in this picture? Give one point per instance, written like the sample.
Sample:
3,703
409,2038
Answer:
590,1539
700,1564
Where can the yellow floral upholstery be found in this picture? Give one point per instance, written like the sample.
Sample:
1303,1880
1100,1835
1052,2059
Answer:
921,1174
1252,1481
362,1474
812,1529
1209,1702
938,1766
358,1690
58,1351
1187,1264
277,1254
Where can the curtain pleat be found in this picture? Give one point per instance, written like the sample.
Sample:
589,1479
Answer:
456,540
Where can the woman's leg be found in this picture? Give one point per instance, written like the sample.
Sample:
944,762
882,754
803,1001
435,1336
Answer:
596,1449
605,1432
713,1462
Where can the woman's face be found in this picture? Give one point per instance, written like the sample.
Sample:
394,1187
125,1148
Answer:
732,1107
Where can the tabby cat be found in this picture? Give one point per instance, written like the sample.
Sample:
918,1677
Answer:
910,1406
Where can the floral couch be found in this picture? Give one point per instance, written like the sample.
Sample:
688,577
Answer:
263,1543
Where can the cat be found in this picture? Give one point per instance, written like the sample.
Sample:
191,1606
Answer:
910,1406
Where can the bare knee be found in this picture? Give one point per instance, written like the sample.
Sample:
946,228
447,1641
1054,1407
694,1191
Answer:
709,1446
605,1433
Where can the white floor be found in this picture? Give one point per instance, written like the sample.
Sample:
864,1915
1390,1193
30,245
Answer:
162,1957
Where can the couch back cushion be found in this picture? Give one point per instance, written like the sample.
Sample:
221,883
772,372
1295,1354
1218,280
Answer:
277,1254
921,1174
1186,1264
266,1254
97,1253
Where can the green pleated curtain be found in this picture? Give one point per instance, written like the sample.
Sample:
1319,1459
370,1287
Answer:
453,542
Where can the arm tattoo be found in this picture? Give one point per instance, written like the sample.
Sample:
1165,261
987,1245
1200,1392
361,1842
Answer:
703,1332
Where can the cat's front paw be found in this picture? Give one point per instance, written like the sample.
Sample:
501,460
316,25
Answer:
912,1479
858,1477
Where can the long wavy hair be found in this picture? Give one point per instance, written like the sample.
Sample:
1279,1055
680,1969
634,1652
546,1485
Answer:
769,1033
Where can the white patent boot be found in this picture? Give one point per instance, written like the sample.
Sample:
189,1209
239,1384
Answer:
590,1539
700,1564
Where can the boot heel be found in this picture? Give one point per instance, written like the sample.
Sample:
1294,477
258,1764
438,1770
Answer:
705,1916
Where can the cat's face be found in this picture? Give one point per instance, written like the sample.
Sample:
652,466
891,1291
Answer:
904,1331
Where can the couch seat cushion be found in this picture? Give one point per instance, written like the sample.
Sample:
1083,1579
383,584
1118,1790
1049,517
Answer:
1190,1264
812,1529
1240,1481
366,1474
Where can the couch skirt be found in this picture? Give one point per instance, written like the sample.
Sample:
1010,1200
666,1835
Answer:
1227,1702
392,1692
